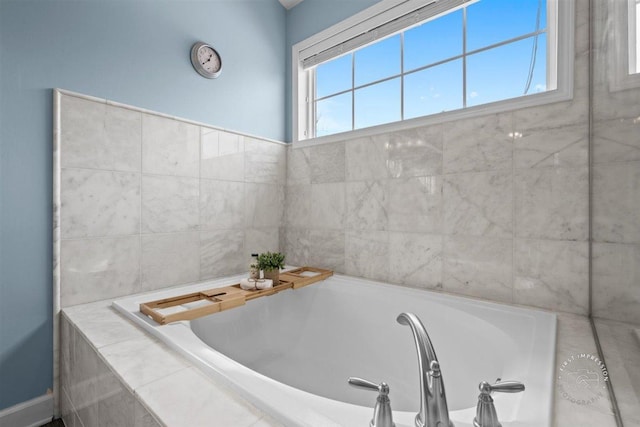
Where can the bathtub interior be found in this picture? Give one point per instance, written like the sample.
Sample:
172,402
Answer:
313,338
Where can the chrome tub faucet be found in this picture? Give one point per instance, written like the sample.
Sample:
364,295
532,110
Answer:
433,400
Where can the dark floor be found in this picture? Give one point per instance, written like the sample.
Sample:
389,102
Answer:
54,423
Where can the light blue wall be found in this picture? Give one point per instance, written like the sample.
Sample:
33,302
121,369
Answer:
136,52
311,17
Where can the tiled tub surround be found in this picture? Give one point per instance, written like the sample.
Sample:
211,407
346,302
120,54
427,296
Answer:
493,206
148,201
123,376
461,207
145,201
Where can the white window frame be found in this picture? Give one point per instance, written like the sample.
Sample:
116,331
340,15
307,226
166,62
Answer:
622,47
560,48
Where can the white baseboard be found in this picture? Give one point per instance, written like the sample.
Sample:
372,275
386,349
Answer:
32,413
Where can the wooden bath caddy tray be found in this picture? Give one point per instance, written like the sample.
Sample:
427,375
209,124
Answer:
203,303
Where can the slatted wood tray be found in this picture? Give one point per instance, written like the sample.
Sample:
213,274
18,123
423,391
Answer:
198,304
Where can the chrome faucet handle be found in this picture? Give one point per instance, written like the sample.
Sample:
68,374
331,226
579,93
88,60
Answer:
382,416
486,415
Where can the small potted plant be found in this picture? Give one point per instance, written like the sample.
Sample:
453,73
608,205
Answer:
271,263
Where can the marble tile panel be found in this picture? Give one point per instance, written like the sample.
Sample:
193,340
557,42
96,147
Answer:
85,379
478,266
415,259
297,205
264,205
574,336
222,204
621,346
328,203
101,324
581,415
170,203
366,158
265,161
67,352
297,246
581,31
367,205
479,204
191,399
552,275
616,281
298,166
99,136
478,144
99,203
616,140
553,147
367,254
415,204
67,412
222,253
142,360
142,417
170,259
96,269
221,155
413,152
326,249
170,147
617,104
552,203
551,115
261,240
327,162
616,202
115,402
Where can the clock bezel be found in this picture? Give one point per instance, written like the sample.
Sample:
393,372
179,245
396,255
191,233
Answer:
198,66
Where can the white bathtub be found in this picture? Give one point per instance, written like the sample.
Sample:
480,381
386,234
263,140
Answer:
290,354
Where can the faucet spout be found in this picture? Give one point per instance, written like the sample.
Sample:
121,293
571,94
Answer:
433,400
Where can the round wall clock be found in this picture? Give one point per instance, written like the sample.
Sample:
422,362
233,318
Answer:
206,60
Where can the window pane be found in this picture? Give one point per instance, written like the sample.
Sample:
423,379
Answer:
433,41
377,104
333,114
503,72
377,61
333,76
494,21
433,90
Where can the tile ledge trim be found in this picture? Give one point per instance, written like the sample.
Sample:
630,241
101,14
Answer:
66,92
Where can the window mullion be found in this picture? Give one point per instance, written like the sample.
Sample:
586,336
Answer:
353,92
464,57
402,76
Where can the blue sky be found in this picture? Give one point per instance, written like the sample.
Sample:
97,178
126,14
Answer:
492,75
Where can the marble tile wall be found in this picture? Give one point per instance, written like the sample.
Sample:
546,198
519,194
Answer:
149,201
616,181
493,207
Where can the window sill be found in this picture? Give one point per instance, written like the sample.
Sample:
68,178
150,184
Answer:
507,105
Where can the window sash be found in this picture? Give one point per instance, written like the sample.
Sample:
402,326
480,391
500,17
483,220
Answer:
560,35
432,10
403,73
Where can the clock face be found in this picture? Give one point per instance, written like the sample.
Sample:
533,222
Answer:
209,59
206,60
